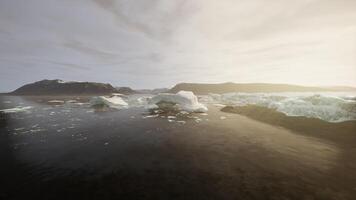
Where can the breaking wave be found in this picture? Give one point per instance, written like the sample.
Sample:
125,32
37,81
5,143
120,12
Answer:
330,107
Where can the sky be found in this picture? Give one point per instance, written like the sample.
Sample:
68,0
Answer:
158,43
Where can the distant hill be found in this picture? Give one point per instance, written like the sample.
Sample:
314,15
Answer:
59,87
199,88
125,90
153,91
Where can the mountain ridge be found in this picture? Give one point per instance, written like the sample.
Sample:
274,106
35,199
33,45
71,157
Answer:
59,87
219,88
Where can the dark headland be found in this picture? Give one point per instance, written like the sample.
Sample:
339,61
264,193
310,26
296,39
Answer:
59,87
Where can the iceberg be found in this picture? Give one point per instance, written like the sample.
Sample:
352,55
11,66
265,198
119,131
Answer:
183,100
112,102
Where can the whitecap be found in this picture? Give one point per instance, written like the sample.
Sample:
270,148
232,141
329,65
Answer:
329,107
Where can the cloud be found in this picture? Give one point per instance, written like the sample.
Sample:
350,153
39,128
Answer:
157,19
157,43
86,49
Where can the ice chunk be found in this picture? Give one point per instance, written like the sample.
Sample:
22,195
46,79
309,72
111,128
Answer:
56,101
137,101
150,116
112,102
17,109
72,101
183,100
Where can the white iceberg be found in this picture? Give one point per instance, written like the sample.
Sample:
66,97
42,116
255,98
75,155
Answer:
183,100
112,102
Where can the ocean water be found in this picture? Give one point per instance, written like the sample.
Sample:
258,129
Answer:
60,147
47,130
327,106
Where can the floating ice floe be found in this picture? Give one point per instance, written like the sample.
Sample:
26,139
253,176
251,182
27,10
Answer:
112,102
56,102
183,100
17,109
72,101
150,116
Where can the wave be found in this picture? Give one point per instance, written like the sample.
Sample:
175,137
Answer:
329,107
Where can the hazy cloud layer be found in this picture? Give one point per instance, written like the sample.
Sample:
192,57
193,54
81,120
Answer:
157,43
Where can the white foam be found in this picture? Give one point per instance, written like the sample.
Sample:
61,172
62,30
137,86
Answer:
37,130
331,107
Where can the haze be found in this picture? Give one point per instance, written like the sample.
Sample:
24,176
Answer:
158,43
